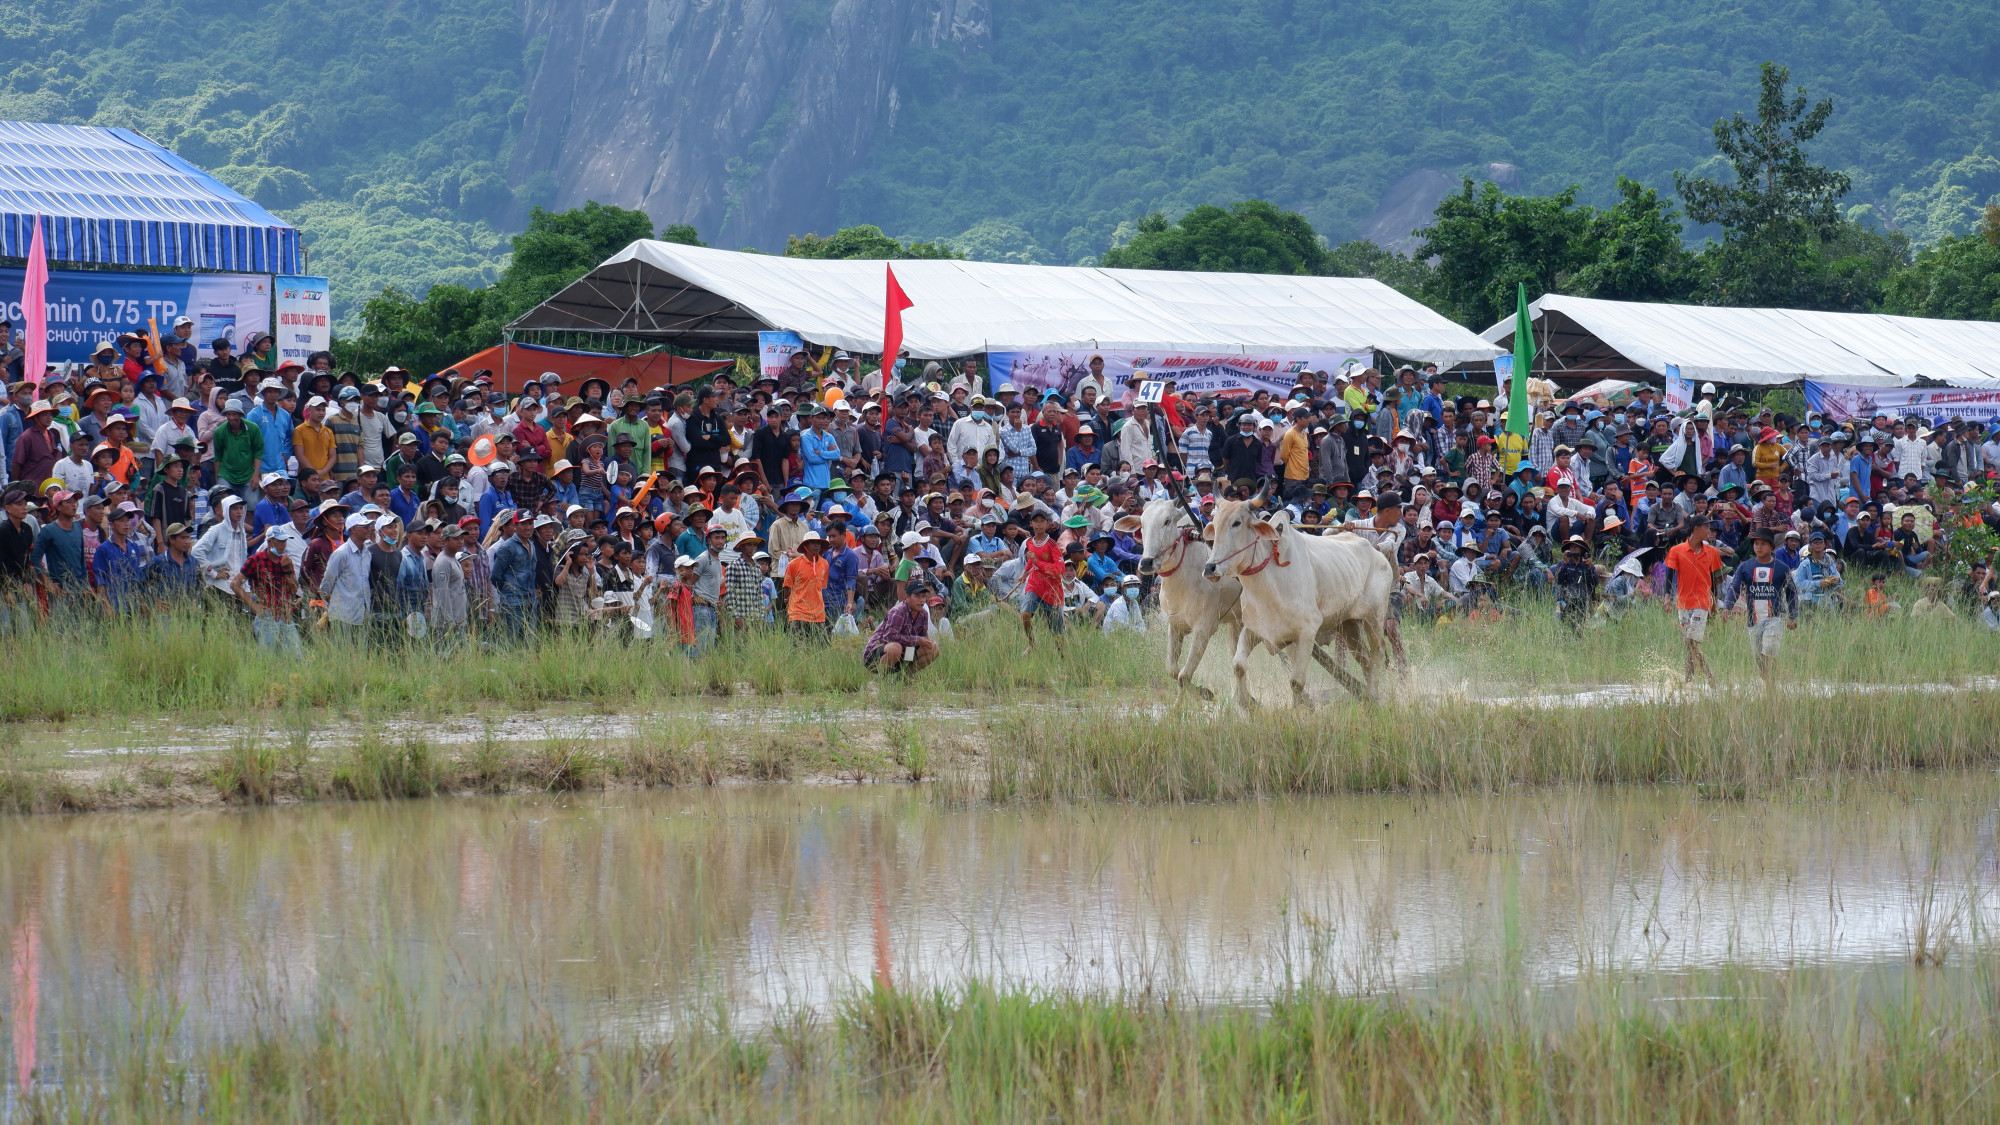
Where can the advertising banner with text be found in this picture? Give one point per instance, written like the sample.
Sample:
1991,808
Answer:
86,307
1194,373
305,325
1843,402
774,352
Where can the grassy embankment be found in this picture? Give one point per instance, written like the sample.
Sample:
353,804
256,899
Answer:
1802,1046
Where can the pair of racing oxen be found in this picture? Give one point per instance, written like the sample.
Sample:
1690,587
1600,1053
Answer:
1250,571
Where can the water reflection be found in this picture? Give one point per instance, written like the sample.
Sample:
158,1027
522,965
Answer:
642,909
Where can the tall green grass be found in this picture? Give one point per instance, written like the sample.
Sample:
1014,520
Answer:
1531,650
202,666
1795,1047
1746,742
197,667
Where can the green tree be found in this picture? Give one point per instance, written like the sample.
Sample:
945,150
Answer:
423,334
1639,254
1781,210
1486,242
560,246
451,322
863,242
682,233
1958,279
1363,258
1250,237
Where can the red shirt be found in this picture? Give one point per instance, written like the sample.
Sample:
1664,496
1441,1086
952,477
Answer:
1045,567
272,584
530,435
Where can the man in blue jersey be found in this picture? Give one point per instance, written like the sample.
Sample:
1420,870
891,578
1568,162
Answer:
1765,584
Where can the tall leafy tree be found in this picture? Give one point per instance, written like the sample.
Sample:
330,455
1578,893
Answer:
1782,208
1361,257
1957,279
1249,237
1487,242
452,321
560,246
1639,253
862,242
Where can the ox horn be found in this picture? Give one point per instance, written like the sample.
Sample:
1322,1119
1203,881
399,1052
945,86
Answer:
1258,501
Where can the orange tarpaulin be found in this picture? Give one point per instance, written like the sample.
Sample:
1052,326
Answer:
513,365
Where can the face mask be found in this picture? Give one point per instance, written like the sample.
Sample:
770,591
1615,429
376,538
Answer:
1132,594
979,416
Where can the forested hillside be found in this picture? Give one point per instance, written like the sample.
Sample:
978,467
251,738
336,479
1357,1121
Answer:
1082,116
380,128
1024,129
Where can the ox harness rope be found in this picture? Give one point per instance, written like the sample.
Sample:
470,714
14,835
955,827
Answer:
1247,571
1180,546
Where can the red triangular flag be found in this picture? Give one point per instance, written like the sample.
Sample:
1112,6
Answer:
892,325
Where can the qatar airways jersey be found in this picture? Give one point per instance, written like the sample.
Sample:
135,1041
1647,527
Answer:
1764,588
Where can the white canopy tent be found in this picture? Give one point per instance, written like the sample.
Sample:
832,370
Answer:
721,298
1585,338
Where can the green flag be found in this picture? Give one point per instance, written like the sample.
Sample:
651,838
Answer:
1518,421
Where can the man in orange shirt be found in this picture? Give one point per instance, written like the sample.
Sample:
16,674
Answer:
805,577
1694,564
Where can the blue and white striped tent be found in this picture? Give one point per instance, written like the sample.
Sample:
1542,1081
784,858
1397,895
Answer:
113,197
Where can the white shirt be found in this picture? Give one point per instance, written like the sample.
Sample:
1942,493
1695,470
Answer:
1421,586
1463,571
1573,508
737,522
968,433
376,429
1123,613
166,434
74,475
472,487
220,552
1909,455
345,584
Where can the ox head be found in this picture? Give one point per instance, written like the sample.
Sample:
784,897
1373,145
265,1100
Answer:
1159,526
1233,535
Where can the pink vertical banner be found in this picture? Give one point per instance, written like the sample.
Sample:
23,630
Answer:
35,310
26,984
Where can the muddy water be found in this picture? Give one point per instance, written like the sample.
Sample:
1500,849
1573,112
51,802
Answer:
640,908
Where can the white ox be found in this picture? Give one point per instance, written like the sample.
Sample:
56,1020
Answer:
1194,606
1300,591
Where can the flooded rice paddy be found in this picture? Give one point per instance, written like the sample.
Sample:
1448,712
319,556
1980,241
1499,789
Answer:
640,910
